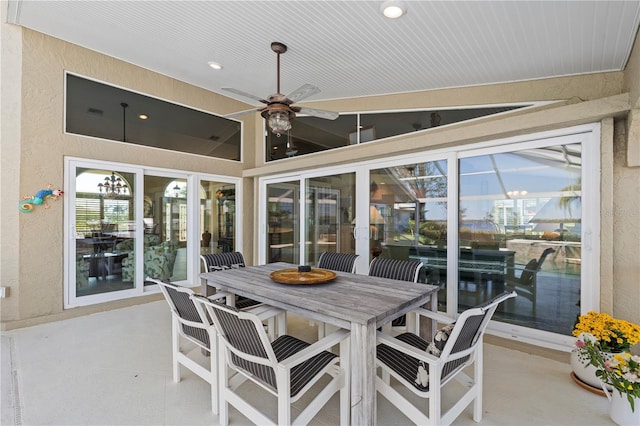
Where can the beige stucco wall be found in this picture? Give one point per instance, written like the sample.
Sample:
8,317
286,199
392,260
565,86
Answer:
32,262
34,146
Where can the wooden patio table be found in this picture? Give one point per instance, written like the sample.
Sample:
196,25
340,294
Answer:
359,303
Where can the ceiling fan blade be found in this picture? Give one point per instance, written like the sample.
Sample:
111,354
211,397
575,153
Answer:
303,92
246,111
320,113
246,95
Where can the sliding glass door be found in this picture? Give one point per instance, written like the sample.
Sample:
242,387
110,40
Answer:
330,213
103,218
504,216
128,223
521,229
408,217
283,219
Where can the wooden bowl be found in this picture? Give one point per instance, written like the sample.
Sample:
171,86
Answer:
293,276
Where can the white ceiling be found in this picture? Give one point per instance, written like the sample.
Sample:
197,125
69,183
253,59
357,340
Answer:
347,48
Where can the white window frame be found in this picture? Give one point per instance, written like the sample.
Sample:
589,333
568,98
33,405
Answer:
193,228
589,137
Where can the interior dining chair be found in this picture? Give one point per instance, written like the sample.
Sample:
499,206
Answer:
287,367
397,269
342,262
425,368
233,260
187,323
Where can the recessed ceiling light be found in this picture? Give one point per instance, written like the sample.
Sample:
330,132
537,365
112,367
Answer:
393,9
143,116
215,65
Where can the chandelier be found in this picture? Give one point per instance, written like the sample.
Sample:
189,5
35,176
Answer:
113,186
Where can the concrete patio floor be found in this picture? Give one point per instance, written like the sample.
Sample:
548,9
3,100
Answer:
114,368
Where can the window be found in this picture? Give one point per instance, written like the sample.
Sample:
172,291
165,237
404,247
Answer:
107,112
312,134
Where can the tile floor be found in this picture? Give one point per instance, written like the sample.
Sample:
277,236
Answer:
114,368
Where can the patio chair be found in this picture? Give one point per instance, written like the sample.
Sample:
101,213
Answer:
425,368
233,260
188,323
286,368
396,269
526,284
224,261
343,262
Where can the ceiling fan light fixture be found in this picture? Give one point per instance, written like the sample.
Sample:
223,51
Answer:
393,9
279,122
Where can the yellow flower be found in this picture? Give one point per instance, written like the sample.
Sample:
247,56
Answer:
616,334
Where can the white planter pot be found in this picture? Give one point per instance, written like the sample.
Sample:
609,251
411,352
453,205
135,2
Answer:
586,372
620,409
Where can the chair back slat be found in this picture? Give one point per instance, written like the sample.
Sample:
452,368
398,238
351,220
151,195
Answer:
246,336
179,299
468,335
467,332
221,261
343,262
403,270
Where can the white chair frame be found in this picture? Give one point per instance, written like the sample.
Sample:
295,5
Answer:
230,382
436,365
182,358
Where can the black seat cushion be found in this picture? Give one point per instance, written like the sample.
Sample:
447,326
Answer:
409,368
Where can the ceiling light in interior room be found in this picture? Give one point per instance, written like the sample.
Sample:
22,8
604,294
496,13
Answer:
215,65
113,186
393,9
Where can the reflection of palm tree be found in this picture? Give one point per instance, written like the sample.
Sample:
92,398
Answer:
566,201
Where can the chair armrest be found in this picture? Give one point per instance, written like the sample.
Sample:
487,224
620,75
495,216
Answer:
406,348
265,311
218,295
437,316
319,346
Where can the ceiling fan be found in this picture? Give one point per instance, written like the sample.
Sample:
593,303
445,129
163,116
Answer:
279,110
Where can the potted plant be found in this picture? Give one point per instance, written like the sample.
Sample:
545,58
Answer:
605,343
608,334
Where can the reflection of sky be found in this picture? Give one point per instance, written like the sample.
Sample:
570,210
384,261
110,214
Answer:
517,173
435,211
535,174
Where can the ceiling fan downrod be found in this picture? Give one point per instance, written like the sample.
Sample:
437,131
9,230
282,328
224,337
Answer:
279,48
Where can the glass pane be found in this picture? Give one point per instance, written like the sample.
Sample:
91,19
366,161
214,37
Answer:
107,112
105,229
311,134
374,126
330,211
520,215
165,233
217,217
283,214
408,217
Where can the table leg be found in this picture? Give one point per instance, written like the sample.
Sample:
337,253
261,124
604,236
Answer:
429,327
205,289
363,371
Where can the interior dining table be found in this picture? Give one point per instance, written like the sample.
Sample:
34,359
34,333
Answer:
359,303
